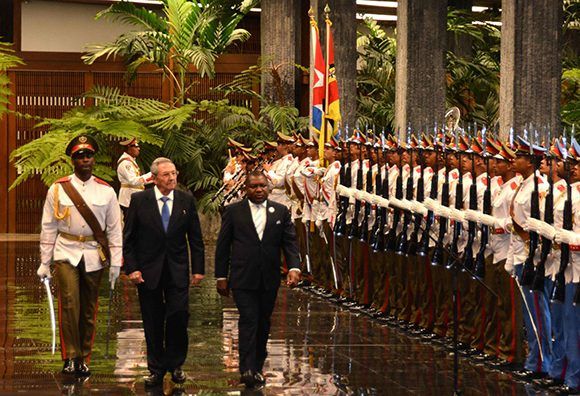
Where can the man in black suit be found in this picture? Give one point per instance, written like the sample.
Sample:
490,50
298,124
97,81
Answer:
253,234
161,222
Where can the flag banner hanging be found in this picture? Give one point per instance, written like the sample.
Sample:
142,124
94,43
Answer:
333,111
317,81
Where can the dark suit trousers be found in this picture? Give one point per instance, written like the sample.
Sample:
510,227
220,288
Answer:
255,308
165,315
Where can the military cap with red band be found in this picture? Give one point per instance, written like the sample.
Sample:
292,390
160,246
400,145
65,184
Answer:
81,144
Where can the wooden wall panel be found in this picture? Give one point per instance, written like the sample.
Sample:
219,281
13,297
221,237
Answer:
49,93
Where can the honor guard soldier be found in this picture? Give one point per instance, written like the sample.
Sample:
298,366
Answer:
536,313
129,173
233,169
276,173
81,234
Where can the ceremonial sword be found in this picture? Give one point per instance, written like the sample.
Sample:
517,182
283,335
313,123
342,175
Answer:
46,282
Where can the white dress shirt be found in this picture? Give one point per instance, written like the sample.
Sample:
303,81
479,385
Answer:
259,217
158,196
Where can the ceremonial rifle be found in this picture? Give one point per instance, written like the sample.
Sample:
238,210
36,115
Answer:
424,243
354,228
528,272
234,178
382,188
468,262
391,236
457,226
364,226
402,237
540,274
420,197
479,270
559,291
345,180
374,237
438,251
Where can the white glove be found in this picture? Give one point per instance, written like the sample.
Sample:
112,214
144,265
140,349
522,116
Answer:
114,272
444,211
357,195
567,236
405,204
471,215
457,215
43,271
396,203
375,199
486,219
366,196
383,202
418,208
431,204
340,190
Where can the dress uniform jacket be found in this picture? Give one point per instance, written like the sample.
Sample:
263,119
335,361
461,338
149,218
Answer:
130,178
277,177
61,216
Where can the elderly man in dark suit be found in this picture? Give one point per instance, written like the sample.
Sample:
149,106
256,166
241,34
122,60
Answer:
253,234
161,222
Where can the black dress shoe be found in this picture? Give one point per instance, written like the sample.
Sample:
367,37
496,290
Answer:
248,379
259,379
527,375
81,369
154,379
178,376
548,382
566,390
69,367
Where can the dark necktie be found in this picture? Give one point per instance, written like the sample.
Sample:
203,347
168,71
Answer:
165,213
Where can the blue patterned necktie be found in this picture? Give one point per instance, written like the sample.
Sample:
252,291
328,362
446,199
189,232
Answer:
165,213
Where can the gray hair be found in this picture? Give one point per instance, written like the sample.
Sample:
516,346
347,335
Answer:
156,162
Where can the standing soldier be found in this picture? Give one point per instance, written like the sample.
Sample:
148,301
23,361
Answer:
129,173
81,232
276,173
536,312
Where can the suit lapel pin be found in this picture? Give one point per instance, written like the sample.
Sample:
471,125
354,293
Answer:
278,222
184,211
271,209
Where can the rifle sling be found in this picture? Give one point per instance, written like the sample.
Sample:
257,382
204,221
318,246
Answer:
89,217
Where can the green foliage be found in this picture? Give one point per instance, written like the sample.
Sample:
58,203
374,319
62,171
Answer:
188,33
7,61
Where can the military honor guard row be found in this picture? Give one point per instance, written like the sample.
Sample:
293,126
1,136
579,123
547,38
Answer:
385,225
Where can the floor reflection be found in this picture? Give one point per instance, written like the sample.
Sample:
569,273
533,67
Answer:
315,347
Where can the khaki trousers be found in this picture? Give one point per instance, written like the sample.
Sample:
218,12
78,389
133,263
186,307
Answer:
78,293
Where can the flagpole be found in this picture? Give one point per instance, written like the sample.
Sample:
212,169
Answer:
327,69
312,71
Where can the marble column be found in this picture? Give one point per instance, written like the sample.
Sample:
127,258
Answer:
420,74
531,64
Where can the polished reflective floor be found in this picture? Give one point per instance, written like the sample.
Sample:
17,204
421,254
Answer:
315,347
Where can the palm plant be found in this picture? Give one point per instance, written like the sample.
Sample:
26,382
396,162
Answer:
188,33
7,61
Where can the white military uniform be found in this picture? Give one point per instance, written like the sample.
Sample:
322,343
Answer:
130,178
277,177
56,243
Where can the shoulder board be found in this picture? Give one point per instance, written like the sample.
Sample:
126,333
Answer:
562,187
104,183
540,180
514,185
578,187
484,181
430,170
455,175
63,179
337,165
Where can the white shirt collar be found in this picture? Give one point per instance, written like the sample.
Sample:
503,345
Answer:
260,205
158,194
76,179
